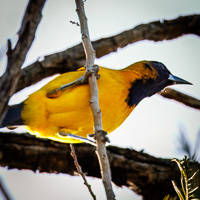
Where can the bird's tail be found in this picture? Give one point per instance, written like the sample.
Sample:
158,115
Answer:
13,116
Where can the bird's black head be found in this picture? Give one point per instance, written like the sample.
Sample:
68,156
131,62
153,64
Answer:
154,76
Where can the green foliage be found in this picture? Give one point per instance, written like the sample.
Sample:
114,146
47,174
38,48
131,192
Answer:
190,181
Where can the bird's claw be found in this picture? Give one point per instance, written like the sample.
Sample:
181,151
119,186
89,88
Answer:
82,80
76,137
90,70
104,137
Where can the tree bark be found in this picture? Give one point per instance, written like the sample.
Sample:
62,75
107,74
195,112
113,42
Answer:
94,101
180,97
16,56
146,175
73,58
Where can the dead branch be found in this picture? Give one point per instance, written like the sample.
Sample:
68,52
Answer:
73,58
80,172
4,191
139,171
180,97
17,55
94,102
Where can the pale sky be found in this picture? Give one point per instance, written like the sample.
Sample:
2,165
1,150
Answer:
154,125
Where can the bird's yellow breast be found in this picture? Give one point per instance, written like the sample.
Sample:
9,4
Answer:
70,112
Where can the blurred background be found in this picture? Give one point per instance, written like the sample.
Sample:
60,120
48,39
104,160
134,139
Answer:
154,126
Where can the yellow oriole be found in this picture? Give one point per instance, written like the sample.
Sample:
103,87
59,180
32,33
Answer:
70,113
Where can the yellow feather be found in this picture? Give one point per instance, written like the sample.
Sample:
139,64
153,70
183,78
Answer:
70,111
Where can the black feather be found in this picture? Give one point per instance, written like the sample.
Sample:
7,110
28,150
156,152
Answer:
142,88
13,116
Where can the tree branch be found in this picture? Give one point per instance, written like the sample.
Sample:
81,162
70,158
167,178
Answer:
80,172
16,56
94,102
73,58
180,97
139,171
4,191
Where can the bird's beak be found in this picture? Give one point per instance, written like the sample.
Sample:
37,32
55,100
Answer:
177,80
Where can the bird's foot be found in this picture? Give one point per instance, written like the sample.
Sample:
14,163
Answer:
104,137
80,81
69,135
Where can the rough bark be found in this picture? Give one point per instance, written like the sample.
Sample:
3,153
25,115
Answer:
16,56
146,175
141,172
73,58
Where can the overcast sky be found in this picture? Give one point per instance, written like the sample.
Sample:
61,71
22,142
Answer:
155,124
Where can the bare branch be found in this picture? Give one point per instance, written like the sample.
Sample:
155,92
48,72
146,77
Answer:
94,102
73,58
75,23
180,97
88,48
4,191
139,171
16,56
80,172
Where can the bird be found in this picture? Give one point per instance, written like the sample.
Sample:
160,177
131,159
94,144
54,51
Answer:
67,117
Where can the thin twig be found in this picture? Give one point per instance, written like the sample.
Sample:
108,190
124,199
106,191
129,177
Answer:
75,23
94,102
80,172
4,191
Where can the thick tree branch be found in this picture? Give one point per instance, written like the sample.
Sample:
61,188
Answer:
16,56
73,58
141,172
